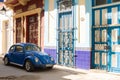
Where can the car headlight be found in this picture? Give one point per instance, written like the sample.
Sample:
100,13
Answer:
36,59
52,59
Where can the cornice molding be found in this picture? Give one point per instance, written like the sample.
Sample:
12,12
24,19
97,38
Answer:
23,2
10,4
27,13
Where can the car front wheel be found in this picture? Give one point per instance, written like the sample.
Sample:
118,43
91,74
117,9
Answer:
6,61
50,67
29,66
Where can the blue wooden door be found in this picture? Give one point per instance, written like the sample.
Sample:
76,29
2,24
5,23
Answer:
100,47
106,48
66,39
114,53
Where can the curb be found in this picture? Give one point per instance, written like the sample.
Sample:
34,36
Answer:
94,71
71,69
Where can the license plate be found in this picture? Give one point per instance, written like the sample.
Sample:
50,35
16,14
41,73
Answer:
48,65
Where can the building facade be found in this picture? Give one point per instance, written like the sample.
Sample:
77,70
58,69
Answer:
28,21
77,33
86,33
68,32
6,29
106,35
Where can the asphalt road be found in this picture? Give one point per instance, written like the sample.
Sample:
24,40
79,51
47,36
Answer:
57,73
18,73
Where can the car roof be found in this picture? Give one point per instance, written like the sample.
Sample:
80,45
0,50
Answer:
23,44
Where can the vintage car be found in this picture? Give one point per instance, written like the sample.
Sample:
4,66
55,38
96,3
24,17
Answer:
29,56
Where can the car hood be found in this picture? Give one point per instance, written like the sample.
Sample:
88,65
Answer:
43,57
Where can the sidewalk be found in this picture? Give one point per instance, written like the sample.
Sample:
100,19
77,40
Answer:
71,69
92,74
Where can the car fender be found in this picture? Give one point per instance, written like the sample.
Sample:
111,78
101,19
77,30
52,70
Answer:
6,55
30,58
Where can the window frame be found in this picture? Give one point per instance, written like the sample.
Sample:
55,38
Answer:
66,6
31,46
19,51
114,1
99,4
12,50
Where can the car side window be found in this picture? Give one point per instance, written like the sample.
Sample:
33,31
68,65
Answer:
28,48
12,49
19,49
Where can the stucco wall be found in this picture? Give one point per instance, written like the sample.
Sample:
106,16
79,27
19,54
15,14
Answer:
50,23
6,34
83,23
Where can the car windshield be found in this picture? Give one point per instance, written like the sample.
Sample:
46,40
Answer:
32,48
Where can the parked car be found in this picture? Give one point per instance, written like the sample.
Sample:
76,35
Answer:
29,56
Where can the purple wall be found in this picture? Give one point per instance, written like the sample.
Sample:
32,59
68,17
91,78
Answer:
82,60
51,52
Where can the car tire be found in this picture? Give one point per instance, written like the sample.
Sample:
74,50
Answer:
29,66
6,61
50,67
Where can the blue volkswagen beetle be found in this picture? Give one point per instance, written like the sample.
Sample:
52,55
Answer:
29,56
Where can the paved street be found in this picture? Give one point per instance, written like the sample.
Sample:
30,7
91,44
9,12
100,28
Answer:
57,73
17,73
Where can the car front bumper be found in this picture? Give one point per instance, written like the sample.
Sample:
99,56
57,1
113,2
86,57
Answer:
43,65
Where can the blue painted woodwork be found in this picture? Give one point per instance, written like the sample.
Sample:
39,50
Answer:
66,39
119,14
107,2
109,16
109,42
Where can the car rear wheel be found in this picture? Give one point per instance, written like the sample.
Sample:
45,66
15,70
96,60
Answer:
29,66
6,61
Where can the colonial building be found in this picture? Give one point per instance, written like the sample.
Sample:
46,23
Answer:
28,20
68,32
6,28
106,34
77,33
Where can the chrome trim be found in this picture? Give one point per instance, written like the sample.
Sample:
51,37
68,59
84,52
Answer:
16,64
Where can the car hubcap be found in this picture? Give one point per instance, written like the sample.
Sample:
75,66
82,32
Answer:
27,66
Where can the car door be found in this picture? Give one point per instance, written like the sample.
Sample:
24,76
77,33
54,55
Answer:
11,51
18,55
